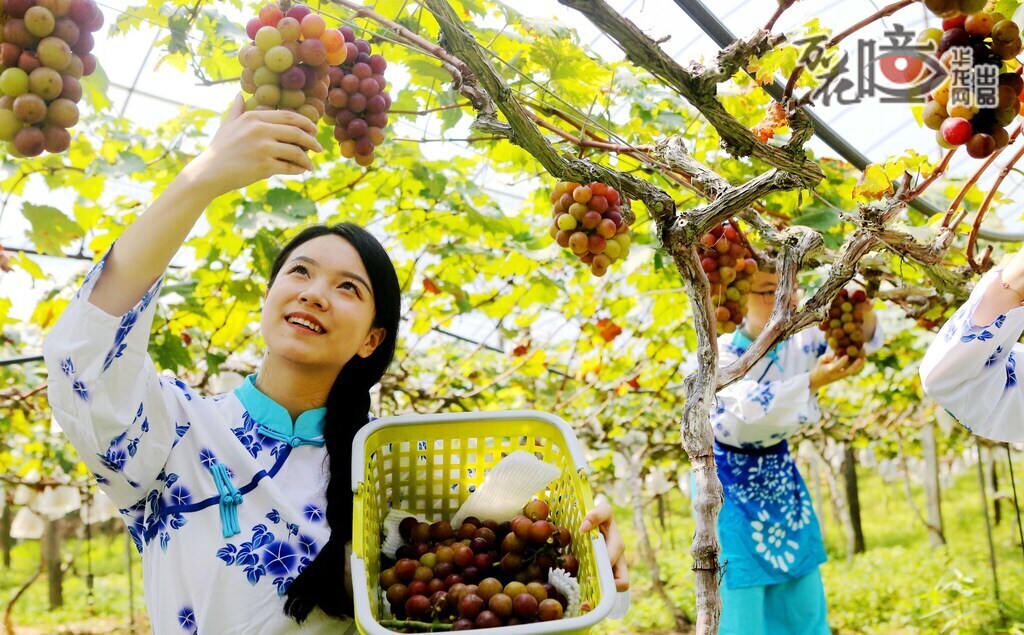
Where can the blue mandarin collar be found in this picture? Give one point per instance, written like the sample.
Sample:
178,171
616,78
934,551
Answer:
742,341
274,421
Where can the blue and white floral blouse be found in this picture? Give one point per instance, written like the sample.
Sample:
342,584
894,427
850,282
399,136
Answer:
223,496
774,399
971,370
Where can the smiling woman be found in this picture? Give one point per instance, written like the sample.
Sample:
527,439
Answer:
240,503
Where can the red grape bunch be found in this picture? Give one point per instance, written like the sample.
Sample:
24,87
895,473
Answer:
46,50
357,102
285,66
729,266
480,575
588,220
991,40
844,326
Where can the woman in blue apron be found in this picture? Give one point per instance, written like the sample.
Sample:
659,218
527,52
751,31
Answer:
771,542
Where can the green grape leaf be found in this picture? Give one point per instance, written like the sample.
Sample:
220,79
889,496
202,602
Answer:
51,230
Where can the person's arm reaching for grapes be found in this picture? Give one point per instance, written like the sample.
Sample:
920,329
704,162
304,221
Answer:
1000,299
971,366
248,147
104,390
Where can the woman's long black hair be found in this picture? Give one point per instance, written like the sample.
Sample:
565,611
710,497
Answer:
322,582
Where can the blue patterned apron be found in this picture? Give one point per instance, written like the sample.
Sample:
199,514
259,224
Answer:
768,528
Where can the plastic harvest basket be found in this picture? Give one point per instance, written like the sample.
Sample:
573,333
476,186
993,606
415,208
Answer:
428,464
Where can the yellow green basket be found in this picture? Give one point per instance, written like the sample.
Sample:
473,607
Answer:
429,464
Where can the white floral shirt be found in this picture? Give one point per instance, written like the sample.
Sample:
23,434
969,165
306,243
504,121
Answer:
971,370
222,495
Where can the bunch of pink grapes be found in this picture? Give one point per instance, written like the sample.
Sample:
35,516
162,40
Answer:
286,65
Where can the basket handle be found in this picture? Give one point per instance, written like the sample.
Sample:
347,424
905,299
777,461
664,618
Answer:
621,606
573,446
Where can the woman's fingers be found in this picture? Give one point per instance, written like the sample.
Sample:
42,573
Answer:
287,133
616,546
621,573
596,517
601,517
287,117
284,167
840,365
236,110
857,366
293,154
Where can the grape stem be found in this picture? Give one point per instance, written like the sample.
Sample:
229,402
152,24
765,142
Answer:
585,143
461,104
954,205
939,170
972,240
963,191
779,10
546,549
640,153
416,627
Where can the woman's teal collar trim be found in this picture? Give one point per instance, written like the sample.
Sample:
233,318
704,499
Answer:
273,419
741,340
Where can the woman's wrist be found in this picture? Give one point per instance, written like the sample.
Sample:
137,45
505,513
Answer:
196,177
1011,282
1000,297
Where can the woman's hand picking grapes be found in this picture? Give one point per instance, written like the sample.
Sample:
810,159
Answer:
252,146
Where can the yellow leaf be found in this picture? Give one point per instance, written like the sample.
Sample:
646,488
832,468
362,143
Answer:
23,262
918,110
46,312
873,183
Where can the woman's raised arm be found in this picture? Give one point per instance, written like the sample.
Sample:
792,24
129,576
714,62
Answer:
248,147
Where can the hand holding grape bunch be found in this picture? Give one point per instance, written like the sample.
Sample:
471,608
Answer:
832,368
250,147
